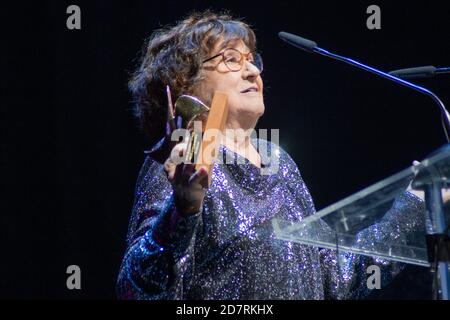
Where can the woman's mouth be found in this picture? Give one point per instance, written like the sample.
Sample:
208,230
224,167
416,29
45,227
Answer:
250,89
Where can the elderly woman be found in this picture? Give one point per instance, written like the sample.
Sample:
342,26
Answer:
186,241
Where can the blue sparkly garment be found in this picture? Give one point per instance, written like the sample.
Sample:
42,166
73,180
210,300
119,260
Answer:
229,250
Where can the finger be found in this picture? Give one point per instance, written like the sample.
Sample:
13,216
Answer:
169,168
178,152
184,172
174,161
445,195
178,174
199,177
416,166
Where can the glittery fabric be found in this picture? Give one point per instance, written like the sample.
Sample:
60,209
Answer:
229,250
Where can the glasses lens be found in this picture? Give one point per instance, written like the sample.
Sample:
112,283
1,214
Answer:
258,62
232,59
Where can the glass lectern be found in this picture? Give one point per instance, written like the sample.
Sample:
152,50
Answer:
355,213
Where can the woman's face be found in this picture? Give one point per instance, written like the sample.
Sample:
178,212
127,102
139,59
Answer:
245,106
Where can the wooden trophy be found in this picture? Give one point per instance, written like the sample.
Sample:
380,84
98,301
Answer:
204,141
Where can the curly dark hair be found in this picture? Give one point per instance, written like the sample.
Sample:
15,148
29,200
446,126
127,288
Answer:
173,56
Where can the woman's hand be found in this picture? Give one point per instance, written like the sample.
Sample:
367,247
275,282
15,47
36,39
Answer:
421,194
189,186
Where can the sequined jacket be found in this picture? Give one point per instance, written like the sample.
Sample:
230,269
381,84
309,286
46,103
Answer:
229,250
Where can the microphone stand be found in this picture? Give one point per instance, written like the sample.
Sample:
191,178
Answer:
433,196
444,112
311,46
419,72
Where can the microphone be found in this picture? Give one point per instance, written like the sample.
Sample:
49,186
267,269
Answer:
312,47
419,72
297,41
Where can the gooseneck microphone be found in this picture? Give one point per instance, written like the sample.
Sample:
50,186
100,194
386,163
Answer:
298,42
311,46
419,72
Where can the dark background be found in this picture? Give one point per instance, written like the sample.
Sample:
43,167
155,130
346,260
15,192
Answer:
71,150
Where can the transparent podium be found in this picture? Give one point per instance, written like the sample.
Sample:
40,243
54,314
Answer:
353,214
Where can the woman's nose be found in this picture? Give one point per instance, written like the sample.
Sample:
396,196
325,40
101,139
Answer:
250,70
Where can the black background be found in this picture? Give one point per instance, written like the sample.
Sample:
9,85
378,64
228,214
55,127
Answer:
71,151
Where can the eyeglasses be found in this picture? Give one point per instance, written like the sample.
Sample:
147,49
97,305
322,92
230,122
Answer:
234,59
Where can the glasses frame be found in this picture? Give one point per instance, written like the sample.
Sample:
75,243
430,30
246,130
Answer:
256,56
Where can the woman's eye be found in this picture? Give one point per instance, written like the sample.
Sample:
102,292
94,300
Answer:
231,59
